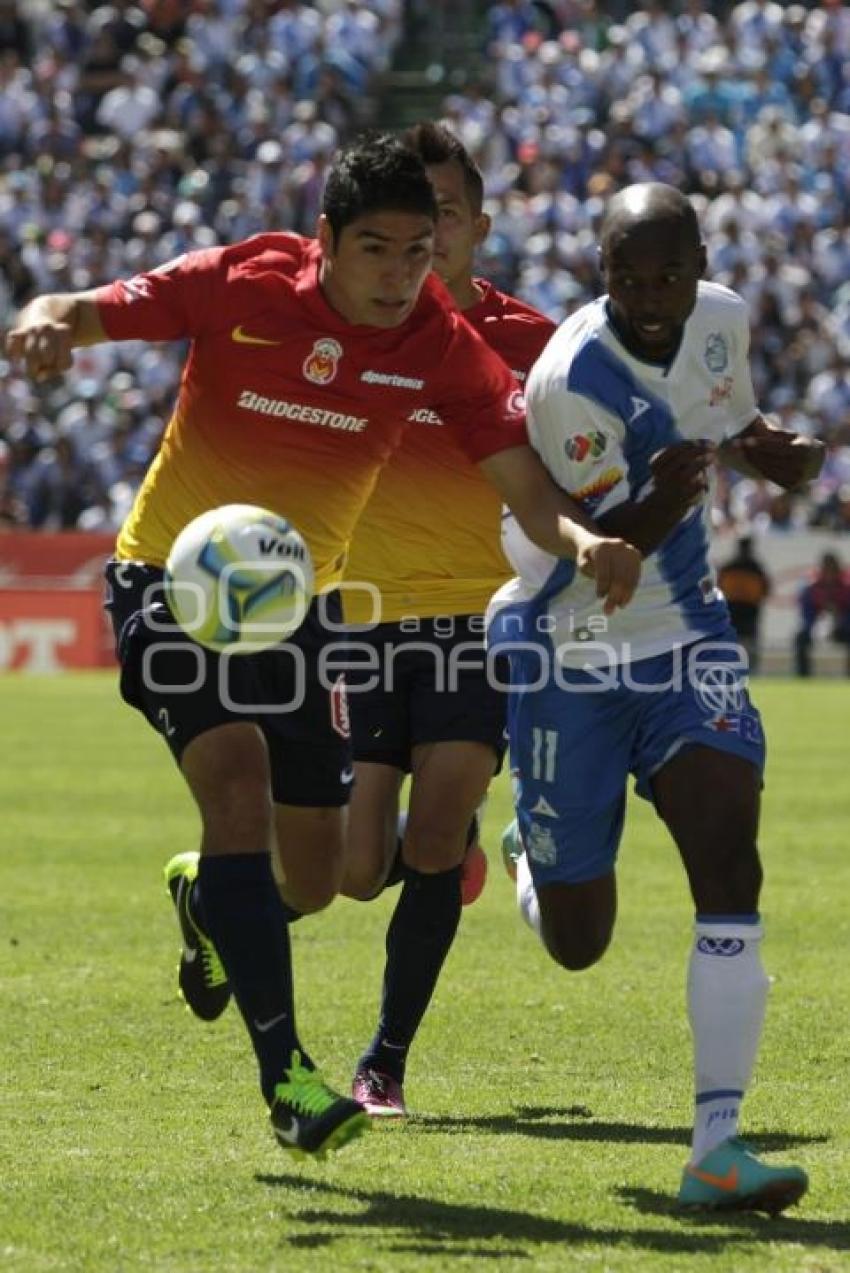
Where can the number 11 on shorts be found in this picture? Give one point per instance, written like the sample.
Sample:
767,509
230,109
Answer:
544,751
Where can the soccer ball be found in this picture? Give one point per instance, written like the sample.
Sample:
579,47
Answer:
239,579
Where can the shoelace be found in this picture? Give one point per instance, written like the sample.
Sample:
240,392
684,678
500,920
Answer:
306,1089
378,1082
214,974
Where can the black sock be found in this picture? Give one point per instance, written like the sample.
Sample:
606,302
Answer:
397,871
290,914
244,916
196,906
419,937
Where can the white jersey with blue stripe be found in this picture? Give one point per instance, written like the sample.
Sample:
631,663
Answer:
596,416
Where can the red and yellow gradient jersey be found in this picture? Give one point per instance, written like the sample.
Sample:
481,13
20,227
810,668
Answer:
285,404
428,539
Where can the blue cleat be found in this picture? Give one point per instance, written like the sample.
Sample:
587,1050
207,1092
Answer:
512,848
732,1178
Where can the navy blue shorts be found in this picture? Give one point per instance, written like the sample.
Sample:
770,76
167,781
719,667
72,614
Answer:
574,744
427,685
292,692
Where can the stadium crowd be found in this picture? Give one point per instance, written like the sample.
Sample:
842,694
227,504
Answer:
132,132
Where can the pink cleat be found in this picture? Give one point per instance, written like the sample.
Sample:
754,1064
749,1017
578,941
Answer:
473,874
381,1096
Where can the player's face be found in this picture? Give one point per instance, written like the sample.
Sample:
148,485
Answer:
374,272
652,275
459,229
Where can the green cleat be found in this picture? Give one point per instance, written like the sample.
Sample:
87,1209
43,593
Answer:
202,980
512,848
732,1178
309,1118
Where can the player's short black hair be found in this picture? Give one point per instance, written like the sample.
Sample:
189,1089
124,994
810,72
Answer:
434,144
376,173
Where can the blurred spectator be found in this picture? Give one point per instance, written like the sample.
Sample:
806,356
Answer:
746,586
827,595
134,130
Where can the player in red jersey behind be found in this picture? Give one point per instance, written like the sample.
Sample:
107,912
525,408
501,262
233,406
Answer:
429,543
306,361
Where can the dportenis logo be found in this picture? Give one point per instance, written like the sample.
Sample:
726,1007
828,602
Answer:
321,364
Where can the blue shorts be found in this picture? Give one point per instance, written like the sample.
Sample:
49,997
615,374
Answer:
575,740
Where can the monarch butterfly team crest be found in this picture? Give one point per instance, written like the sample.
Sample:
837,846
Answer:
321,364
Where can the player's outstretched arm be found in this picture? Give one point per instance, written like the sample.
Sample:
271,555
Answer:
680,481
49,329
557,524
763,450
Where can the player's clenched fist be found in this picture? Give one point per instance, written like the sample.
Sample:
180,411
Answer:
615,565
680,473
41,345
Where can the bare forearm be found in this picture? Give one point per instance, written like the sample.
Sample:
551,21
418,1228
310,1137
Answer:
50,328
557,524
76,310
778,455
646,524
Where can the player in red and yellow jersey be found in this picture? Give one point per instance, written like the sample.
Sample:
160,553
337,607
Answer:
306,361
428,549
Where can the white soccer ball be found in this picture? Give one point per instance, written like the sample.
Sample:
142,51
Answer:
239,579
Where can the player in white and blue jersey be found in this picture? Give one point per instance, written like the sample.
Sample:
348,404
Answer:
629,405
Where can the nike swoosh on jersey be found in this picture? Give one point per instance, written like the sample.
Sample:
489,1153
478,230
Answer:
242,338
728,1183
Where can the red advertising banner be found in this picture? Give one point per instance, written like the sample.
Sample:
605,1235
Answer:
51,601
75,557
47,630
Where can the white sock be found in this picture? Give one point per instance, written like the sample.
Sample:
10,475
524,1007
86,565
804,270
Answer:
526,894
727,994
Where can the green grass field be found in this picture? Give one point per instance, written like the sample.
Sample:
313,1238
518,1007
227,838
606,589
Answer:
551,1112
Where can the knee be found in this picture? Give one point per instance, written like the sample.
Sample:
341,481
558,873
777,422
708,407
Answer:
433,848
311,897
577,920
361,882
577,951
305,890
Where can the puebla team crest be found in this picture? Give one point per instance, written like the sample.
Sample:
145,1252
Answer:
716,353
321,364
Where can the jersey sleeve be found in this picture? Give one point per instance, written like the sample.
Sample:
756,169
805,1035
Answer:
477,397
578,445
176,301
743,407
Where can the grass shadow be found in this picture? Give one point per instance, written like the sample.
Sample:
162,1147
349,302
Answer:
576,1123
788,1227
407,1223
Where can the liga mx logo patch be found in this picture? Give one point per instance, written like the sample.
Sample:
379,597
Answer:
321,364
